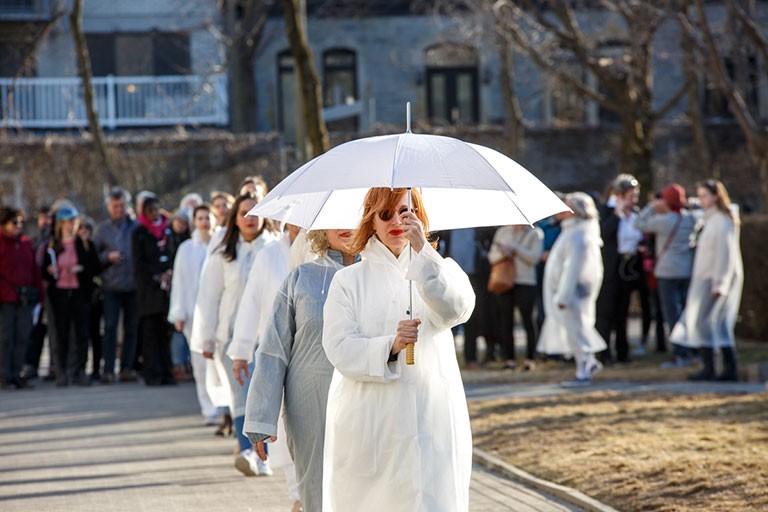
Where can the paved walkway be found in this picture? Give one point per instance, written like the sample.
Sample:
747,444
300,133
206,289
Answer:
125,447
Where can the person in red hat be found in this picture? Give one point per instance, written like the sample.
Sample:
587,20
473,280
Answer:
672,223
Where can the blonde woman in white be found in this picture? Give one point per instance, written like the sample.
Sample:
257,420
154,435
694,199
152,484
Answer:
714,294
572,279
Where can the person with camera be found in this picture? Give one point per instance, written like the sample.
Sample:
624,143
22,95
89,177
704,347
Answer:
70,264
21,291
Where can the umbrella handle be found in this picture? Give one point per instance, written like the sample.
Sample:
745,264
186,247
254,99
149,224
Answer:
409,353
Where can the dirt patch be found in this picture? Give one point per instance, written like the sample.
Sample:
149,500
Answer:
639,451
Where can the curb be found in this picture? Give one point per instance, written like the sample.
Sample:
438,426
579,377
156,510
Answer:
567,494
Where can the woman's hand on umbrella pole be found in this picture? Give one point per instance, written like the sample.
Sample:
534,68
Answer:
414,230
259,447
407,332
240,365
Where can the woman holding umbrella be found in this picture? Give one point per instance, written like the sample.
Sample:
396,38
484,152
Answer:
397,437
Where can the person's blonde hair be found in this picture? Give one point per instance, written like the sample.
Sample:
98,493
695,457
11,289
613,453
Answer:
722,199
380,199
318,241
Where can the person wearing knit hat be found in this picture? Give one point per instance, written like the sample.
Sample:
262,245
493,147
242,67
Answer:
672,223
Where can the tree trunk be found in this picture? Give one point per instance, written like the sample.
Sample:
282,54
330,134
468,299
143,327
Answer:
86,76
702,160
309,83
513,118
636,149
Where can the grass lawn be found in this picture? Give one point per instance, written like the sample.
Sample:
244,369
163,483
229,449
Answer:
636,451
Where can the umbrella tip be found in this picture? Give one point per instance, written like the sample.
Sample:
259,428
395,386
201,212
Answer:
408,117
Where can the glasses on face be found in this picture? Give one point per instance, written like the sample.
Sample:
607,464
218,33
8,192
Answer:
19,222
386,215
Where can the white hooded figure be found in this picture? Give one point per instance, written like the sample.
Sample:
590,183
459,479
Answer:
397,436
714,295
572,279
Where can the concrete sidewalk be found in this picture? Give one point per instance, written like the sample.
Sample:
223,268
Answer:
126,447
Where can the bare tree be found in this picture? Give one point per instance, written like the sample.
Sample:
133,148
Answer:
307,77
246,21
86,77
547,31
734,87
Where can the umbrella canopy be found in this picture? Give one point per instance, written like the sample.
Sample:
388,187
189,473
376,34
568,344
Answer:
462,184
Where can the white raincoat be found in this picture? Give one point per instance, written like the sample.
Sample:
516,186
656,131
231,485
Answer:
186,277
397,437
717,267
221,286
572,276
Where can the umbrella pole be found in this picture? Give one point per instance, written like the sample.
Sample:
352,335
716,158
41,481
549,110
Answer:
409,349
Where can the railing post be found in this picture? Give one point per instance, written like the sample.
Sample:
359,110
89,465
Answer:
111,105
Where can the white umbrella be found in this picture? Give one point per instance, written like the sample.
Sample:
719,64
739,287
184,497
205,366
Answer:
462,184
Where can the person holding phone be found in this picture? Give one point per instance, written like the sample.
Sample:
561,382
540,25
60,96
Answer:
70,265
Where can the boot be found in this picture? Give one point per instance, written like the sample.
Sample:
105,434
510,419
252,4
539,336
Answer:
708,372
729,365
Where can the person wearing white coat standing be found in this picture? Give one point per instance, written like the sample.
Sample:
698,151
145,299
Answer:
397,436
572,279
714,294
186,277
222,282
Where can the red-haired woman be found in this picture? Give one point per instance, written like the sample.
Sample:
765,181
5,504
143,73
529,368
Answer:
397,437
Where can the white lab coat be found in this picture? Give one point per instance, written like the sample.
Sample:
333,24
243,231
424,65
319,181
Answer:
186,277
221,286
572,276
397,437
267,273
717,267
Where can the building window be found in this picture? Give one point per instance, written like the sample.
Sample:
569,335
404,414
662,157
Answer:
452,84
715,102
286,95
339,77
563,104
139,54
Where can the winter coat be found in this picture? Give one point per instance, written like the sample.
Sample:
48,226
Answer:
18,267
270,266
88,258
397,437
187,267
151,259
572,276
111,236
674,257
717,267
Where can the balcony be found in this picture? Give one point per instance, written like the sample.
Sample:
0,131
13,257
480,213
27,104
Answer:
25,10
125,101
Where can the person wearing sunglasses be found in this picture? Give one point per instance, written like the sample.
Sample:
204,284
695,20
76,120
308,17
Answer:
397,435
21,290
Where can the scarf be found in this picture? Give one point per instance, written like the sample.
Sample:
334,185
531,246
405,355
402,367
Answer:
156,228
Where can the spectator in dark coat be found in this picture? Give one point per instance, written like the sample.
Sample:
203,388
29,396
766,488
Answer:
21,290
152,265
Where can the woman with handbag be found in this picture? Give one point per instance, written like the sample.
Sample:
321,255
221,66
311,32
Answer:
672,224
21,290
572,279
523,246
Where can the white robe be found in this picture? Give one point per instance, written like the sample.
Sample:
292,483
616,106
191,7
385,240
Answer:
186,277
397,437
572,276
717,267
221,286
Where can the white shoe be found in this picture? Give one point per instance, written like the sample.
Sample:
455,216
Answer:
246,463
263,467
595,368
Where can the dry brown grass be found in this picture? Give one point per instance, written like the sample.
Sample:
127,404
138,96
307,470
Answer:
638,451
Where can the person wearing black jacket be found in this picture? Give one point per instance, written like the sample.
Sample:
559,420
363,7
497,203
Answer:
151,250
469,248
70,265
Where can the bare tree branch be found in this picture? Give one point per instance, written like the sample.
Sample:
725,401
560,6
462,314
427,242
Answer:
754,33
